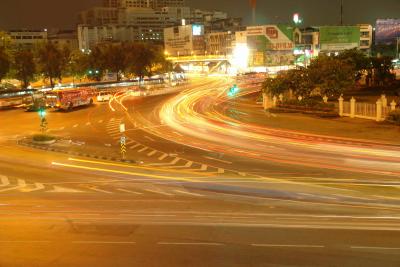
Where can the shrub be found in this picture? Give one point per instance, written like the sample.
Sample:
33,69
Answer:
43,138
394,117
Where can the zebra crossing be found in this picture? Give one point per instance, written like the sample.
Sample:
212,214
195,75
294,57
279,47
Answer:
18,185
160,158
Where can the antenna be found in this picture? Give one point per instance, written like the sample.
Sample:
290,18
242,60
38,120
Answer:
253,4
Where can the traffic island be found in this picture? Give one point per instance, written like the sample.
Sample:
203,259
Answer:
69,147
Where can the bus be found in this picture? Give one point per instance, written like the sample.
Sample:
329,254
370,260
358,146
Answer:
16,98
67,99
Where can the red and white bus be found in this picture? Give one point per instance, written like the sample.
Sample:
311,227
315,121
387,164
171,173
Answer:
67,99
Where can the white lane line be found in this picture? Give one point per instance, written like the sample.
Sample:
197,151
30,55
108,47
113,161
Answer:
374,248
113,131
163,156
178,133
220,160
105,242
100,121
152,153
149,138
287,246
59,189
188,193
130,142
25,241
187,165
158,192
37,187
4,180
76,125
135,146
190,244
88,123
99,190
242,173
143,149
129,191
173,162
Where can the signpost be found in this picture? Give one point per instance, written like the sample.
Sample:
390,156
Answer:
43,121
123,141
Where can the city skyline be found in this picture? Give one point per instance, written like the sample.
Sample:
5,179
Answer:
267,12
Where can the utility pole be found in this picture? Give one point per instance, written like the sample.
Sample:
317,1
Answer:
341,12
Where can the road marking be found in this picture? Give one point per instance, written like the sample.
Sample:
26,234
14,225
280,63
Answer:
116,137
100,121
59,189
242,173
76,125
287,246
154,176
61,128
21,182
112,119
220,160
152,153
113,131
143,149
149,138
203,167
178,133
187,165
105,242
38,186
159,192
130,142
380,248
164,156
135,146
190,243
4,180
99,190
220,171
129,191
88,123
189,193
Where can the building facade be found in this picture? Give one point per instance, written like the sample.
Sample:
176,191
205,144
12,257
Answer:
187,40
28,38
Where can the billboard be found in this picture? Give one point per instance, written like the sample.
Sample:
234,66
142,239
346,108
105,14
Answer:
270,37
337,38
387,31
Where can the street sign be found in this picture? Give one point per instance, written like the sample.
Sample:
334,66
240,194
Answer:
122,127
123,140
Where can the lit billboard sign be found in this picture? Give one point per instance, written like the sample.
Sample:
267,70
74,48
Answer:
336,38
387,31
270,37
197,30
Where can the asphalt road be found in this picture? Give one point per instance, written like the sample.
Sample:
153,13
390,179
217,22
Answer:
185,204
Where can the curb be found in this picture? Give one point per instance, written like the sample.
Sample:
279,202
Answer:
79,154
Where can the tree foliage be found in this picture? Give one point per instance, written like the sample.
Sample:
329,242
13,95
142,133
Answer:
24,67
4,63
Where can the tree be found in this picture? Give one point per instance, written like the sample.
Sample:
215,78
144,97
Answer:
382,67
360,62
140,58
24,67
115,59
52,61
4,63
331,75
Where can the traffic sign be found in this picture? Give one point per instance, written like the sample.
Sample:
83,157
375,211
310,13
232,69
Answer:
122,127
123,140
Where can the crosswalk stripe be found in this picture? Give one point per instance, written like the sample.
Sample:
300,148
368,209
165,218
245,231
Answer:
143,149
135,146
163,156
158,192
149,138
203,167
38,186
99,190
189,193
221,170
152,153
129,191
4,180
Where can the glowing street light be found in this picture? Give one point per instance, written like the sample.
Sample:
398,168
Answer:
296,19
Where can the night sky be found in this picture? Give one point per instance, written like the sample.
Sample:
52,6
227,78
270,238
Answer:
63,13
